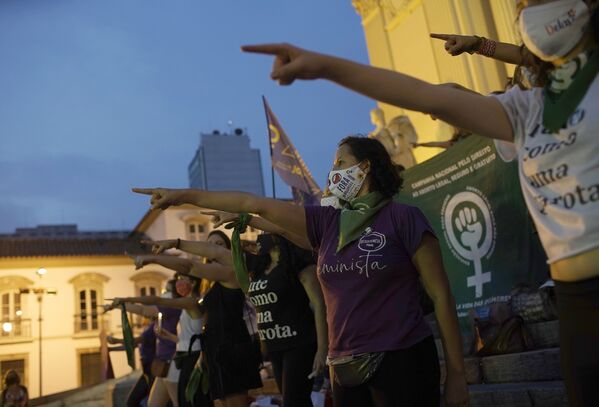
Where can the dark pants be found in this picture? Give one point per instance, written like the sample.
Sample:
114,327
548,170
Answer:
578,309
140,391
200,399
406,377
292,368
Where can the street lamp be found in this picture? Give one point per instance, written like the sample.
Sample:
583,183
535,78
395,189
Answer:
39,292
7,327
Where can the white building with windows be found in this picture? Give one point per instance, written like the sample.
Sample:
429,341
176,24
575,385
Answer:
84,269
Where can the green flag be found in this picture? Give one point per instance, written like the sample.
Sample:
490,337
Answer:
471,196
241,272
128,339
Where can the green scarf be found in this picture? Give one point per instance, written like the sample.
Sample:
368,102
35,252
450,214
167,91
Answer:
241,272
128,339
197,380
357,215
567,87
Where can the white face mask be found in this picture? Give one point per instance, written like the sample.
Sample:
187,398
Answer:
552,30
345,184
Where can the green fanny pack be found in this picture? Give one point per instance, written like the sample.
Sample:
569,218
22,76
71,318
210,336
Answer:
351,371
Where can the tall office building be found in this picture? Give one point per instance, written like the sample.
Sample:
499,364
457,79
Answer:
226,162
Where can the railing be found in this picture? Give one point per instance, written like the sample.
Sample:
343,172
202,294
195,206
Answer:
90,322
15,329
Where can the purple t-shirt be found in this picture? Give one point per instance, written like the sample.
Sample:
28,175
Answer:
370,286
147,347
165,350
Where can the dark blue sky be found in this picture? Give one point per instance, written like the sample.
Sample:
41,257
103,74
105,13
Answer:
97,97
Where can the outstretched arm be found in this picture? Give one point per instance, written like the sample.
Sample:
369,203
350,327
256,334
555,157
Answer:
205,249
147,311
501,51
438,144
219,218
178,264
429,264
211,271
480,114
283,214
184,303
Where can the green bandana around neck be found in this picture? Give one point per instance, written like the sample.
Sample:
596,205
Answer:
241,272
567,88
358,215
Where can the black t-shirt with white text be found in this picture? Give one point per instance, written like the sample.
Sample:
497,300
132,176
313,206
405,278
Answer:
285,319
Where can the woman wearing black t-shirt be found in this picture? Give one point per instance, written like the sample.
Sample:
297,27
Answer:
283,284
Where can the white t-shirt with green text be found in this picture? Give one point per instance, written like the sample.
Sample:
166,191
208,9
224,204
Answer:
559,172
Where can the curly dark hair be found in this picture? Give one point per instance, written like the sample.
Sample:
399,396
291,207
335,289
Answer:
384,176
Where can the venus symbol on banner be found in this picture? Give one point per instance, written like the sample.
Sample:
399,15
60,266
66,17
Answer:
469,228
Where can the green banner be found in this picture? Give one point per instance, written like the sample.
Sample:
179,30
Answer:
471,195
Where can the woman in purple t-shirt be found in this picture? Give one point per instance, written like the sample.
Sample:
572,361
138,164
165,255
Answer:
370,256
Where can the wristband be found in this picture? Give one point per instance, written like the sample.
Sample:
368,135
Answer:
487,47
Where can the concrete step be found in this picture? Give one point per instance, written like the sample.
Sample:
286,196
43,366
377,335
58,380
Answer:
473,370
532,366
544,334
543,394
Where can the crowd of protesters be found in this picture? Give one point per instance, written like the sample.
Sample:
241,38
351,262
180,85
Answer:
318,301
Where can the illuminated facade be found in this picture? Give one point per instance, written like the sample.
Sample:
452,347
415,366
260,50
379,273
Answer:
397,37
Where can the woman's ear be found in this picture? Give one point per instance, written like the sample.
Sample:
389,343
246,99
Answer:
365,166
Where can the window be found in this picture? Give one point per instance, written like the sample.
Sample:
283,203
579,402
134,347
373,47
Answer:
11,313
14,362
89,296
196,230
14,323
147,283
88,310
90,367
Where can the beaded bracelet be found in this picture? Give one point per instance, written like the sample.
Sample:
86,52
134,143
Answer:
487,47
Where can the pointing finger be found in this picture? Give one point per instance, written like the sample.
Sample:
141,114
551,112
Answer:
440,36
269,49
145,191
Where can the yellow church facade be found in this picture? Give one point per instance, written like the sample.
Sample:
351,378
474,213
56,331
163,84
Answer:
397,36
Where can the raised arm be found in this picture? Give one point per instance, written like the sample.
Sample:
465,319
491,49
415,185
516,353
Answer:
184,303
429,264
210,271
147,311
205,249
310,282
479,114
219,218
283,214
501,51
438,144
178,264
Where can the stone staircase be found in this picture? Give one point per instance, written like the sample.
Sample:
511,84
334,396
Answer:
523,379
111,393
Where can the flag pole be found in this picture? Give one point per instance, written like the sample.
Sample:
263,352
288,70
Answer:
272,168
